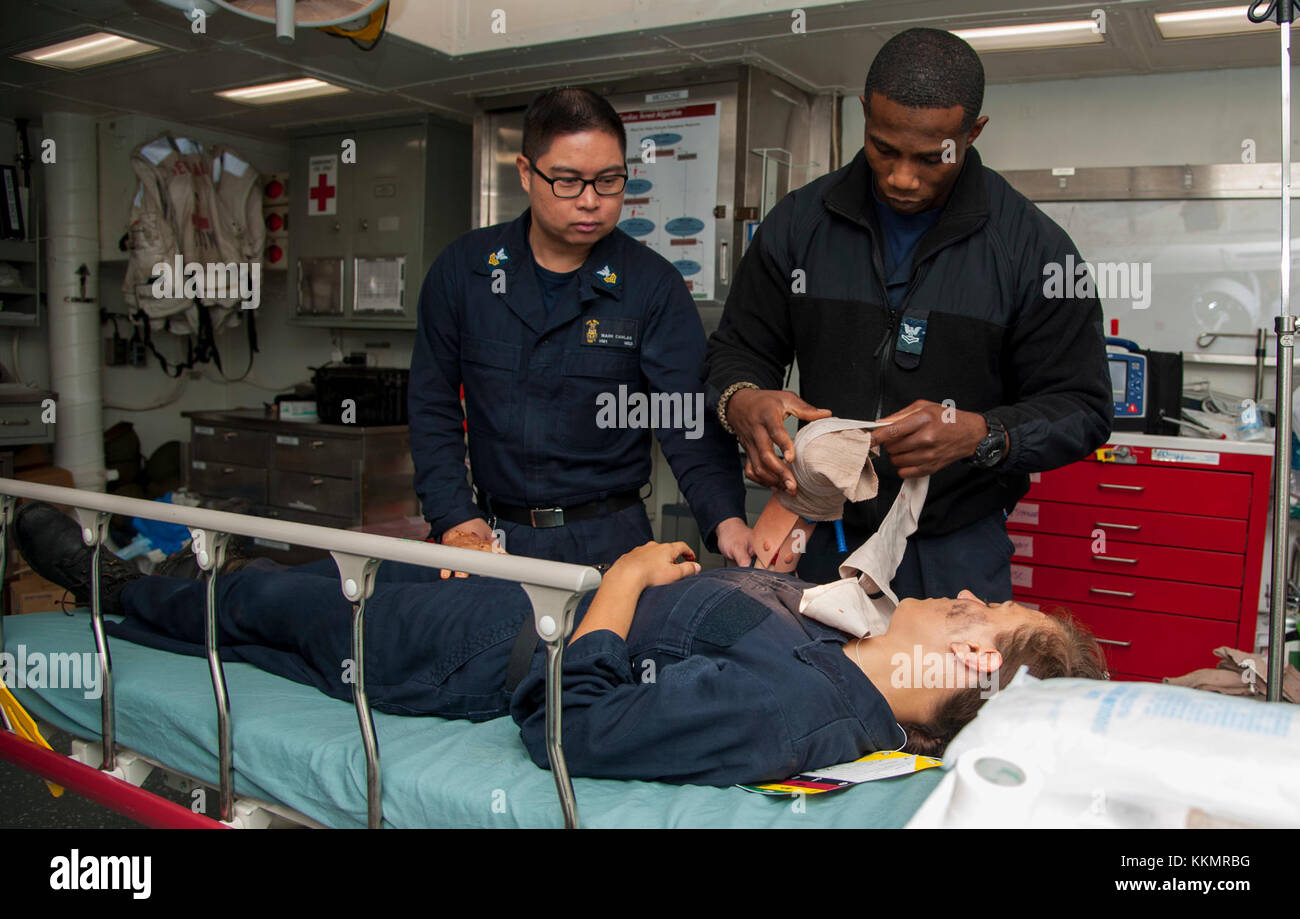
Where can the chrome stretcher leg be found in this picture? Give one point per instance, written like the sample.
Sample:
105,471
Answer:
7,503
553,619
94,529
210,553
358,579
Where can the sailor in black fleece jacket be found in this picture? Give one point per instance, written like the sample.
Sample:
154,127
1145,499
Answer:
910,284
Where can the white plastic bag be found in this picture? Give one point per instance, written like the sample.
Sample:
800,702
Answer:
1157,748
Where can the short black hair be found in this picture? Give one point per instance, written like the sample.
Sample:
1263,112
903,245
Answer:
928,68
568,110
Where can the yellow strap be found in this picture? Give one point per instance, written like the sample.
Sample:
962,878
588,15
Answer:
25,727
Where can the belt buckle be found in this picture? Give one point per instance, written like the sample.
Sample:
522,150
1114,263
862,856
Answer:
546,517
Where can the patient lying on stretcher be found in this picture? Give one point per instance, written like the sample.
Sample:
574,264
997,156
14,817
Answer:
671,674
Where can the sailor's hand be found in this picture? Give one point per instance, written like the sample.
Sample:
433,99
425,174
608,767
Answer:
758,417
652,565
926,437
472,534
734,541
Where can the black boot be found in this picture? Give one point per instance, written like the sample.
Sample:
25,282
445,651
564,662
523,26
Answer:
50,542
183,564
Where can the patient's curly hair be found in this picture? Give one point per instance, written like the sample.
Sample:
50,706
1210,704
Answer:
1065,648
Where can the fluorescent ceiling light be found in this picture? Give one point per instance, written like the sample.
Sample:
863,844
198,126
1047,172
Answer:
1228,20
1032,35
87,51
283,91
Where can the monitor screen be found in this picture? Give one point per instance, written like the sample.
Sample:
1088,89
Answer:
1119,380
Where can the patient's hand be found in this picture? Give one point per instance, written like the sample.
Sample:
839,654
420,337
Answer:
645,566
653,564
472,534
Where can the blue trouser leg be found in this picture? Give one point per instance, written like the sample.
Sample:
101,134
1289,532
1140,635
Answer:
388,573
976,557
437,648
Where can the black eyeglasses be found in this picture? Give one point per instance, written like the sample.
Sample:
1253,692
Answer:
572,187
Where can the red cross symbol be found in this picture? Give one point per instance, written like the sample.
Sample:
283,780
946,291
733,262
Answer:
322,192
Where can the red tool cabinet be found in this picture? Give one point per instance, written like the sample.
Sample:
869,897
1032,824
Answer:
1156,543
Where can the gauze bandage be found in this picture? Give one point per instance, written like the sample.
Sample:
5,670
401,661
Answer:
832,465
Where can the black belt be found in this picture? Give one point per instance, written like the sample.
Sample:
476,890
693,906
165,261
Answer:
546,517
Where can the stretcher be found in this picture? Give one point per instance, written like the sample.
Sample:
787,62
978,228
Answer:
275,750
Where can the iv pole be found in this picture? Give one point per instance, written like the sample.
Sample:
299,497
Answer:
1282,12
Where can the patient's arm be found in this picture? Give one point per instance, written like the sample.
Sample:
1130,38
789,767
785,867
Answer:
645,566
779,537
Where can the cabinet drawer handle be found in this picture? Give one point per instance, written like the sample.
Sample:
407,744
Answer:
1119,526
1111,641
1113,558
22,422
316,480
228,470
1112,593
317,444
228,435
1122,487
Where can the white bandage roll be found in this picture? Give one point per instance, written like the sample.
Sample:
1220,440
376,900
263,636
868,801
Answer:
992,789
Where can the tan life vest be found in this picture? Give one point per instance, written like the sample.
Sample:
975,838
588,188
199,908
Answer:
204,206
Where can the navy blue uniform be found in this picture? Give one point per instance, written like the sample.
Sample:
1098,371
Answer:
532,379
719,680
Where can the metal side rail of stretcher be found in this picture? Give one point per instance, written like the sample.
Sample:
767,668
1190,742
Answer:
553,588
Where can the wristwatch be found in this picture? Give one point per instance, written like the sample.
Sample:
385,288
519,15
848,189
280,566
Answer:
992,448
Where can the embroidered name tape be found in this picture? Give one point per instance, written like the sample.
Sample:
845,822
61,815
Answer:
610,333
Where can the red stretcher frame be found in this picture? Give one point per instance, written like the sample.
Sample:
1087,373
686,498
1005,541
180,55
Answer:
108,790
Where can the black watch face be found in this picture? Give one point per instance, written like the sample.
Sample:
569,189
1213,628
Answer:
990,450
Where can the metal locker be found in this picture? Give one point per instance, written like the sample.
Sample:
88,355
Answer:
374,205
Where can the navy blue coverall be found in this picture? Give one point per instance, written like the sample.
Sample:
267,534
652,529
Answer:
718,682
532,379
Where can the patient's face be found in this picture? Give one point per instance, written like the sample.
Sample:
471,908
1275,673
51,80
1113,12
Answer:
937,622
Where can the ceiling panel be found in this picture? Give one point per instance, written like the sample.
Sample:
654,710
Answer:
401,76
394,63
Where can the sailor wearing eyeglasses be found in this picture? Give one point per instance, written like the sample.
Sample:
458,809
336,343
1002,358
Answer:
573,342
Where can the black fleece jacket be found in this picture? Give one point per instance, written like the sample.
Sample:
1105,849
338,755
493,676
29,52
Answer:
810,288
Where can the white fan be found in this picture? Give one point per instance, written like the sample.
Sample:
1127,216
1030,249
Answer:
312,14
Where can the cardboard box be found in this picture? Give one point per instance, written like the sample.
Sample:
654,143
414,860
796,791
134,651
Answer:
47,475
31,593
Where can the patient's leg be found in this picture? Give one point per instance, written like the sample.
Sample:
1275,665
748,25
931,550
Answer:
388,573
436,648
